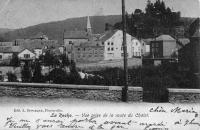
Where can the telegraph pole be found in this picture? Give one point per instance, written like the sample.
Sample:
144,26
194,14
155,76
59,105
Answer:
125,88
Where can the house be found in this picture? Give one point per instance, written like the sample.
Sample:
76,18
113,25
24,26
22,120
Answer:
26,55
164,46
107,47
147,45
113,49
6,44
91,51
6,53
37,45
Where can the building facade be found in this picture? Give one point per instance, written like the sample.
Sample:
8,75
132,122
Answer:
163,46
113,48
91,51
26,55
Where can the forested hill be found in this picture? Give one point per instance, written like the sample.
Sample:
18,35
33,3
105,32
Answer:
54,30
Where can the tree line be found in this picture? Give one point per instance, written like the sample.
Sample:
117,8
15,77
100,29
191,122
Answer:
156,19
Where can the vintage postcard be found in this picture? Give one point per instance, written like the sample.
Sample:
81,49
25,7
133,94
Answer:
99,65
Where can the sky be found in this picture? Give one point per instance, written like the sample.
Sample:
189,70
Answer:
22,13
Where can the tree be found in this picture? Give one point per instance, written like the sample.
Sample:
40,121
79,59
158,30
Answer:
74,75
59,76
138,12
11,77
26,73
48,58
37,75
65,60
15,60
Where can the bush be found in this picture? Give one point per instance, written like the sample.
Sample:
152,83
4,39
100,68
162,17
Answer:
11,77
59,76
26,73
37,75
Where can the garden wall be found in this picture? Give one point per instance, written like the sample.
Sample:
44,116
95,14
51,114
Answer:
184,95
88,92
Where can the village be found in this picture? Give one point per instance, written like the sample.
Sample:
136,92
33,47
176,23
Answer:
88,49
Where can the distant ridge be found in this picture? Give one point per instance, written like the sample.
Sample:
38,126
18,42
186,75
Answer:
5,30
54,30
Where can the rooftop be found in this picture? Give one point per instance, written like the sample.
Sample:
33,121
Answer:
10,49
197,33
36,43
76,34
90,43
165,38
105,36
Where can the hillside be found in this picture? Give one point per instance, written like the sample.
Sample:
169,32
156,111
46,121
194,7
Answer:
54,30
5,30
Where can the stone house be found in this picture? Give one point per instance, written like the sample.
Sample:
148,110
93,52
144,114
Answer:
91,51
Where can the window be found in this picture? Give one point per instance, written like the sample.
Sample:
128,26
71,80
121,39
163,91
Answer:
1,57
26,55
112,49
84,49
156,52
112,43
78,49
108,48
70,42
102,43
108,43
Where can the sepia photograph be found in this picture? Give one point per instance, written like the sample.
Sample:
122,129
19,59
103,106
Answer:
99,64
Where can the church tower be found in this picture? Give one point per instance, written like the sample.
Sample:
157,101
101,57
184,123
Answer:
89,28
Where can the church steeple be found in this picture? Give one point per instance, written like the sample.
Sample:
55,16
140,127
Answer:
89,28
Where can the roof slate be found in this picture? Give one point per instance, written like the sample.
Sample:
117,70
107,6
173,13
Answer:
76,35
108,34
10,49
36,43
